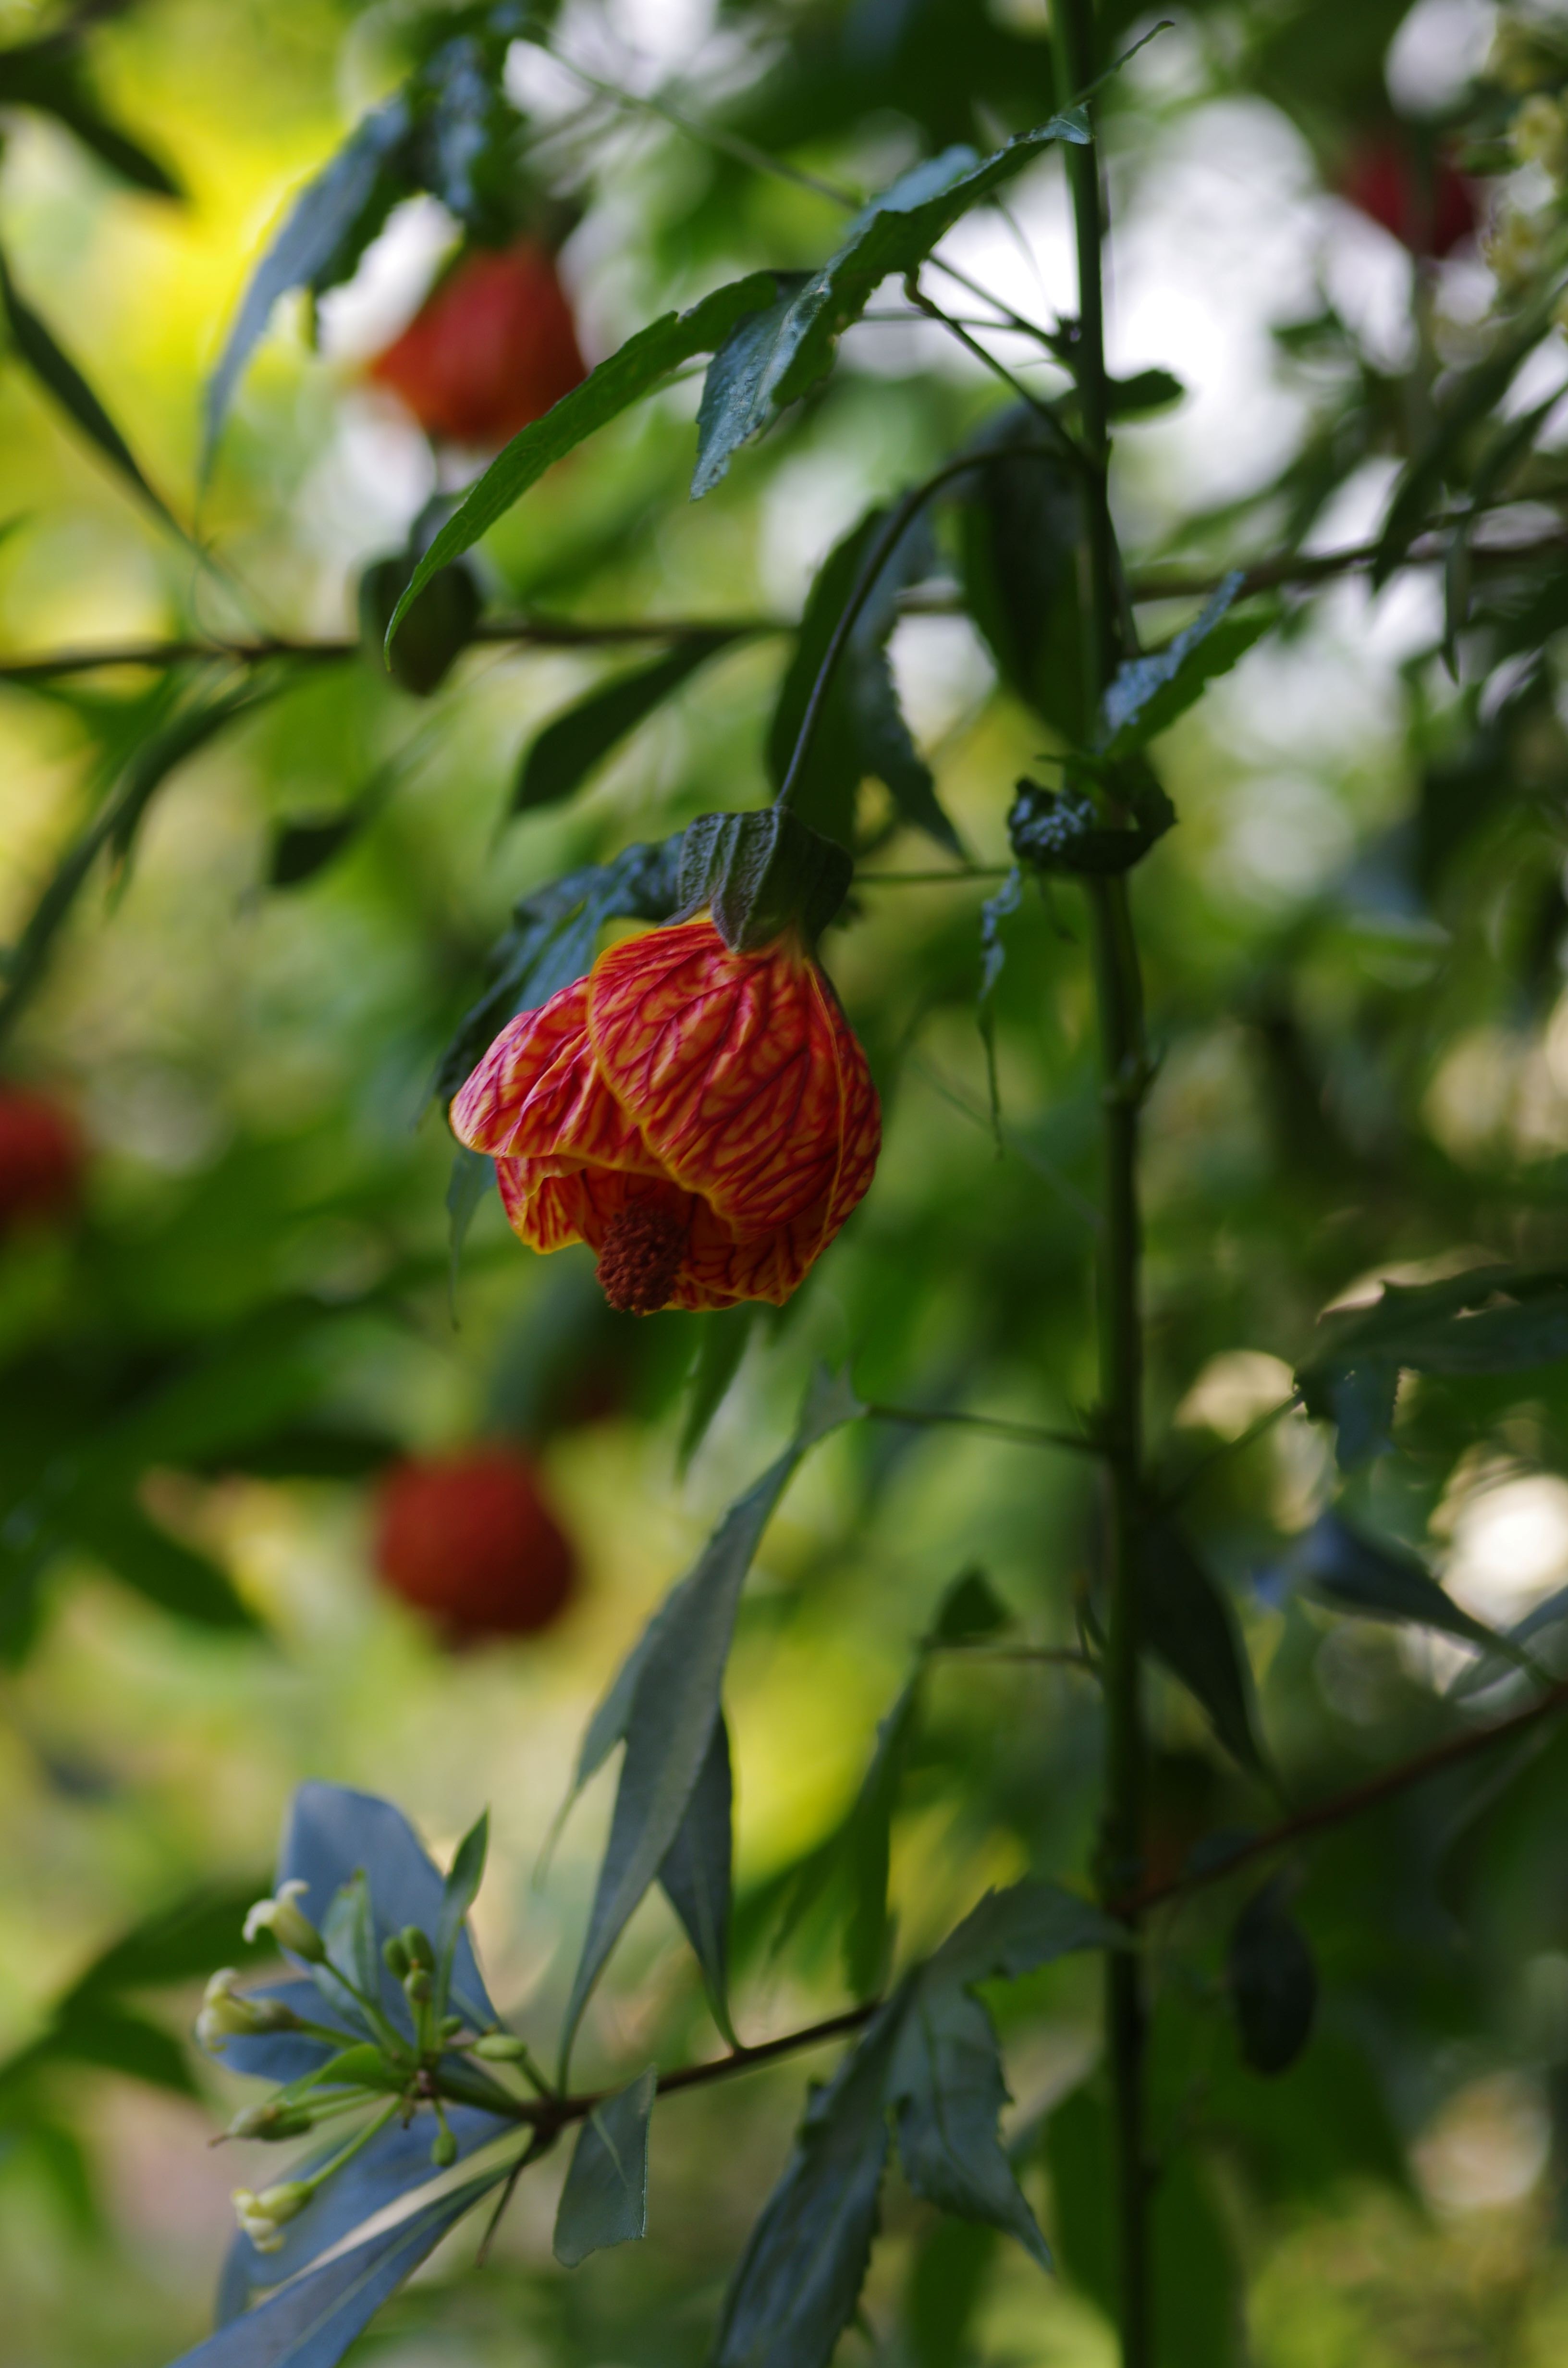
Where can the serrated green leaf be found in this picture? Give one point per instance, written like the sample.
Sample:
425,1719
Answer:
605,2199
1148,694
629,374
799,2280
665,1702
777,358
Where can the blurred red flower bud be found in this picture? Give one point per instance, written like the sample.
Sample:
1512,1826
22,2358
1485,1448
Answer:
703,1119
1428,211
491,347
469,1540
42,1157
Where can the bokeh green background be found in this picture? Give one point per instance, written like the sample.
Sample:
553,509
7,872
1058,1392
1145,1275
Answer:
1358,1075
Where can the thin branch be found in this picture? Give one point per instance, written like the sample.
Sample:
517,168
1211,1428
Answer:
1318,567
550,2114
1025,1434
570,634
538,632
1341,1806
931,879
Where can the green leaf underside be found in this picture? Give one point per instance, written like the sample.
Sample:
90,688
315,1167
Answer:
928,2058
568,750
61,379
1189,1626
605,2199
774,359
632,372
665,1704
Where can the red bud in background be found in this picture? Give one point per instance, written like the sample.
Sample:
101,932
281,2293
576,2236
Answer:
1427,212
42,1160
491,347
469,1540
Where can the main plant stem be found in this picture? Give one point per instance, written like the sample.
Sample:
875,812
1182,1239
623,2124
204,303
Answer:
1119,1000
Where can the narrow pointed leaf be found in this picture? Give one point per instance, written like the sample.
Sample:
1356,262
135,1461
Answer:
1148,694
116,1532
567,751
780,356
605,2199
61,379
459,1893
695,1874
624,379
1273,1980
721,1349
314,2320
800,2277
1190,1625
668,1710
346,202
1352,1572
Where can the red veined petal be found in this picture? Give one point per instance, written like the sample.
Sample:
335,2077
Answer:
729,1066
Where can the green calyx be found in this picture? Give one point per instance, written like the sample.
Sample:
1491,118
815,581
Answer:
760,874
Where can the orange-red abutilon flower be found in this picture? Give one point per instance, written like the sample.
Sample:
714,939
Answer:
702,1118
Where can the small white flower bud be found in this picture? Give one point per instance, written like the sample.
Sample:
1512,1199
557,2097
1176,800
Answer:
288,1924
227,2013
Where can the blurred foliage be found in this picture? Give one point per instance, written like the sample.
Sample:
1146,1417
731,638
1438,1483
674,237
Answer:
255,888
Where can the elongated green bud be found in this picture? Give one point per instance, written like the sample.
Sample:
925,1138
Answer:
499,2047
394,1956
417,1944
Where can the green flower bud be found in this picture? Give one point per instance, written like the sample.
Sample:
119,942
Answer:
450,2025
394,1956
272,2121
417,1944
420,1986
227,2013
444,2149
499,2047
288,1924
262,2217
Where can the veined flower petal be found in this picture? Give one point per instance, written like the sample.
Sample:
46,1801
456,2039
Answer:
728,1064
703,1120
